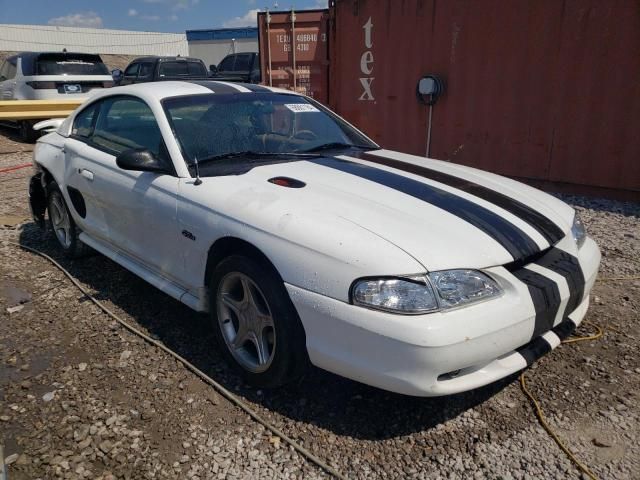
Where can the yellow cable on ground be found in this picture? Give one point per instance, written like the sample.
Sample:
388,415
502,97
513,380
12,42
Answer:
222,390
598,334
540,413
545,425
299,448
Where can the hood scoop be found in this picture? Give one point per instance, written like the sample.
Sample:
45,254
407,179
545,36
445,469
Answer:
287,182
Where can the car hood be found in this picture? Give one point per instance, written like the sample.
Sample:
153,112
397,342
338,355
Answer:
442,214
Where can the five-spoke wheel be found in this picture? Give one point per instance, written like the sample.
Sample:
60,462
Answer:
246,322
256,324
62,224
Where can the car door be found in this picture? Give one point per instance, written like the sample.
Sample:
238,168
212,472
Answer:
139,207
78,176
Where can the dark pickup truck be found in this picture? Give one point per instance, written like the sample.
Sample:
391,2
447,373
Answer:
153,69
238,67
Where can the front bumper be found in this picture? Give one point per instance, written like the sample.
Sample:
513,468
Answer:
439,353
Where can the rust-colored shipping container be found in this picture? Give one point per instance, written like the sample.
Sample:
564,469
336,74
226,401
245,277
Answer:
547,90
294,51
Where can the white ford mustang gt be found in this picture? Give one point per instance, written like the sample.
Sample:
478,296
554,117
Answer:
307,242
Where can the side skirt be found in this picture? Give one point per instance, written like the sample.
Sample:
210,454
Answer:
199,303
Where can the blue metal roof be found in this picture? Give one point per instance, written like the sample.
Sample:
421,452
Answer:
222,33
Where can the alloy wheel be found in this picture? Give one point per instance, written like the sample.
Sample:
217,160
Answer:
60,220
246,322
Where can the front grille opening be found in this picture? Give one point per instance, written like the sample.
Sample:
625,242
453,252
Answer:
449,375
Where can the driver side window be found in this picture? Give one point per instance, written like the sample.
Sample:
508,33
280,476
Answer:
227,64
125,123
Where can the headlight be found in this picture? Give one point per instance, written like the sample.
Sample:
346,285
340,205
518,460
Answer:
577,231
435,291
408,295
462,287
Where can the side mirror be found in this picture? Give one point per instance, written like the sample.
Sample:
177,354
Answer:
213,69
140,160
49,125
116,74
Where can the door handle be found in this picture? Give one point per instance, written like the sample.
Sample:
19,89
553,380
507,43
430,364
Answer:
88,174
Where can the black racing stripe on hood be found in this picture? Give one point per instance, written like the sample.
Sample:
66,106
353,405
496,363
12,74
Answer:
549,230
568,266
514,240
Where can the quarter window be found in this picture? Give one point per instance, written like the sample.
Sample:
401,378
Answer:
125,123
85,121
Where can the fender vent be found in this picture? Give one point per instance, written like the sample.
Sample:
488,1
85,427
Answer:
287,182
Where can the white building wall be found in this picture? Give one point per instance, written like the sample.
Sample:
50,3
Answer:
213,51
36,38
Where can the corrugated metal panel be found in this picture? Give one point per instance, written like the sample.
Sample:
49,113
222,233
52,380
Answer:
297,62
34,38
544,89
213,51
222,34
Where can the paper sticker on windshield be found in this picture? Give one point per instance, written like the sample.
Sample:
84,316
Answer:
301,107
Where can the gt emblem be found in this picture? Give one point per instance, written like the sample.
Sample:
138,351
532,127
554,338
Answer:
189,235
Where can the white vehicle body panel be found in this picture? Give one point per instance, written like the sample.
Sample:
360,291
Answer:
356,217
17,88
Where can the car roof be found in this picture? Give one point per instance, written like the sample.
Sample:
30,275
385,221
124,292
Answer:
176,88
37,54
158,58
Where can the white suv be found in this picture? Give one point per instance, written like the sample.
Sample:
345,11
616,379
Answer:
50,76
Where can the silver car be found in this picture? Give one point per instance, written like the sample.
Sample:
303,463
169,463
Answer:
50,76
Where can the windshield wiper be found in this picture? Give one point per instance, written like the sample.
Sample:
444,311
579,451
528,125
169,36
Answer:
252,153
332,145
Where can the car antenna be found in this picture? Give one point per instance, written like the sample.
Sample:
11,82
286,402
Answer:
195,163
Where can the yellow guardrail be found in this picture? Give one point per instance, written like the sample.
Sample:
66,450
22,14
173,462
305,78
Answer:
37,109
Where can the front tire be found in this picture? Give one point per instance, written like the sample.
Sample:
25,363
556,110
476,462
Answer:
255,323
62,225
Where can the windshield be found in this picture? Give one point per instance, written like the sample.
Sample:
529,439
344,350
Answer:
70,64
182,69
214,125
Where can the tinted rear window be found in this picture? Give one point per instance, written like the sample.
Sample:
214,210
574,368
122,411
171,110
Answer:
70,64
181,69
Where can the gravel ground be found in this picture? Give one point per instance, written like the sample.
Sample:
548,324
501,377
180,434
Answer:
80,397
